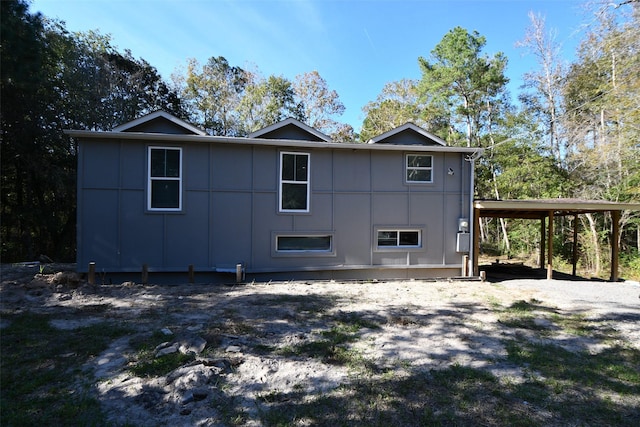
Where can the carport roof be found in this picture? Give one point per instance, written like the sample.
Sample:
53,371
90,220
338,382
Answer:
543,208
540,208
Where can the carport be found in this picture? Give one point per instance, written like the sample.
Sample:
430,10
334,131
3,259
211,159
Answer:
550,208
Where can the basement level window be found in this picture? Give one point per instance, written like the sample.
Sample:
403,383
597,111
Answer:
304,243
399,239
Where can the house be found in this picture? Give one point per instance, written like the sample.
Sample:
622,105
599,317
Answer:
285,202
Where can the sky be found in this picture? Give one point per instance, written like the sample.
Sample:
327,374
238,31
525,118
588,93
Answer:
357,46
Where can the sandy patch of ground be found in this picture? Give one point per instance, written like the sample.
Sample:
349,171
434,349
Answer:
260,337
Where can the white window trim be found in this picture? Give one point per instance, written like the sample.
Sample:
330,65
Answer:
407,168
150,179
398,247
282,182
302,253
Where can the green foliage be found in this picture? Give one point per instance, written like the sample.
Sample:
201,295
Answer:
41,373
52,80
463,85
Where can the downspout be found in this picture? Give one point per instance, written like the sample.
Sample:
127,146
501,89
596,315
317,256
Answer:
472,160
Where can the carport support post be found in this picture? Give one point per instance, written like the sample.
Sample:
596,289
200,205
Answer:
543,242
550,247
615,231
575,244
475,241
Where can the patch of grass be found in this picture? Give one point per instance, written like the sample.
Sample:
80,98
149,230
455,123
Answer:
41,373
146,364
458,396
333,346
522,314
150,366
579,385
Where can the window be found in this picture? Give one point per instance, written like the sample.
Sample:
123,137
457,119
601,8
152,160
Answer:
419,168
399,239
294,182
164,192
303,243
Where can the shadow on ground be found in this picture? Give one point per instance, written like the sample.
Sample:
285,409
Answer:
498,272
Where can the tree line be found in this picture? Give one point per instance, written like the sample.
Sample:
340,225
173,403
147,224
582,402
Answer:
574,131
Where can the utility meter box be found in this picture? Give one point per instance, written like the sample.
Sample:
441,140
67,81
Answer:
463,243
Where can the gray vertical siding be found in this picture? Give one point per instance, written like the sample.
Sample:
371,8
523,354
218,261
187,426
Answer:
230,208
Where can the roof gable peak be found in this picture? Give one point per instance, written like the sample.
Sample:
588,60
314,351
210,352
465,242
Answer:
290,121
405,128
159,115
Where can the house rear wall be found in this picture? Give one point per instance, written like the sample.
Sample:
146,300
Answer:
230,210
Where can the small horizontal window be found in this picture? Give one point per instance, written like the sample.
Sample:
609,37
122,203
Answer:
419,168
303,243
399,239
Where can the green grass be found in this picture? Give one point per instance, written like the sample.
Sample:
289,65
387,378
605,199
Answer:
560,387
333,346
146,364
43,382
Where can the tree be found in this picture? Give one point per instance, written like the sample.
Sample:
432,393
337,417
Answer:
546,82
53,80
396,105
267,101
320,104
602,119
213,92
468,87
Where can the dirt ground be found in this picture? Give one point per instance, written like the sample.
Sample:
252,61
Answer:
249,329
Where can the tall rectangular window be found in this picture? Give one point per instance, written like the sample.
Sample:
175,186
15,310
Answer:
419,168
294,182
164,190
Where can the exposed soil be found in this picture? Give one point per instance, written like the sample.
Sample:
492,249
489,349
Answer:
256,334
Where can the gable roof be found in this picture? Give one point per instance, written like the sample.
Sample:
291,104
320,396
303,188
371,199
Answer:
161,116
290,122
408,128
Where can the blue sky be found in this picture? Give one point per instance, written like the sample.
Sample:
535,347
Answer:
357,46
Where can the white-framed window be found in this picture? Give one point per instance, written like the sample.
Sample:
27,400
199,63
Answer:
164,186
294,182
395,239
419,168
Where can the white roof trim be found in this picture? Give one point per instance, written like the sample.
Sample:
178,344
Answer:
405,127
152,116
286,122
